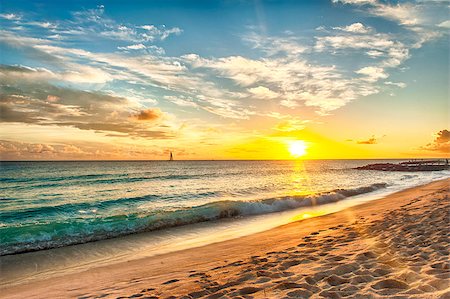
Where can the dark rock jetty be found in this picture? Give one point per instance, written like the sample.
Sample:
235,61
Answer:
413,165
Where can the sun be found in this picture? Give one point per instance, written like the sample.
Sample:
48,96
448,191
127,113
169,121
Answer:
297,148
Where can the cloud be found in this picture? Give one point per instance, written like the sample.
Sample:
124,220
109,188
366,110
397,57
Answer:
382,46
359,2
405,14
182,101
355,28
441,143
372,74
263,92
133,47
442,136
15,150
418,22
291,124
52,98
165,73
445,24
32,100
149,114
10,16
419,16
398,84
46,25
161,32
152,49
274,45
93,25
284,68
371,140
121,32
297,80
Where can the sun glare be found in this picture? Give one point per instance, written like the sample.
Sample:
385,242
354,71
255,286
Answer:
297,148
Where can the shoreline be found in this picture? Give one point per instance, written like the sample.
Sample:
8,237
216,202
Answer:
128,278
302,202
42,264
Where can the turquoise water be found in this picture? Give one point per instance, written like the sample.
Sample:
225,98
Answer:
52,204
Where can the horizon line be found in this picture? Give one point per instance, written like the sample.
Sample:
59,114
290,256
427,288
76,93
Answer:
201,160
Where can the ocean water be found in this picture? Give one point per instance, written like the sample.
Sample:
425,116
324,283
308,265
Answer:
47,205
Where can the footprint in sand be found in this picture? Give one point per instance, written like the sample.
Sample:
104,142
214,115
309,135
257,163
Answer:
171,281
299,294
390,284
249,290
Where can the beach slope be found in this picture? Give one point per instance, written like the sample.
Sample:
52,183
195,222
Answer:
394,246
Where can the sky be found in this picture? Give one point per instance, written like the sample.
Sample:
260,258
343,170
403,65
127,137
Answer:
231,79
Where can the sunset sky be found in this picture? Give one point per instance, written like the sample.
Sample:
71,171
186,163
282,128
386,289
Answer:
224,79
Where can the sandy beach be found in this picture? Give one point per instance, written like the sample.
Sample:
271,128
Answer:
394,247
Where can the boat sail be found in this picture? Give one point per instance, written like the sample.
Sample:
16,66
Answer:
171,157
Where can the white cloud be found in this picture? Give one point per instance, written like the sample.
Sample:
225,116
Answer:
405,14
379,42
375,53
382,46
141,47
288,45
297,81
445,24
283,70
263,92
167,32
355,28
354,1
91,24
182,101
121,33
10,16
372,73
398,84
46,25
85,74
161,32
411,15
151,28
133,47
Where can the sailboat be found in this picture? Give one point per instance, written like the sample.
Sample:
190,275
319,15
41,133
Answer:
171,157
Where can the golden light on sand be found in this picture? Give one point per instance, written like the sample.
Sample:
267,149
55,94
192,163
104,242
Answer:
297,148
309,214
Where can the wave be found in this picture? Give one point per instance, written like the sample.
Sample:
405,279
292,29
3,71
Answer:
48,235
90,179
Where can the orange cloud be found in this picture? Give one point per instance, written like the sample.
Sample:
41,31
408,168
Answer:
441,143
52,98
371,140
149,114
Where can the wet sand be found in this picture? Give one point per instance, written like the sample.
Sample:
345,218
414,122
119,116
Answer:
395,247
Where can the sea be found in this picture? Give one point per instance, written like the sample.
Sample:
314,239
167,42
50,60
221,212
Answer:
158,206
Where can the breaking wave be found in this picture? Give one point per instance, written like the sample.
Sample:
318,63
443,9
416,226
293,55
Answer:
46,235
